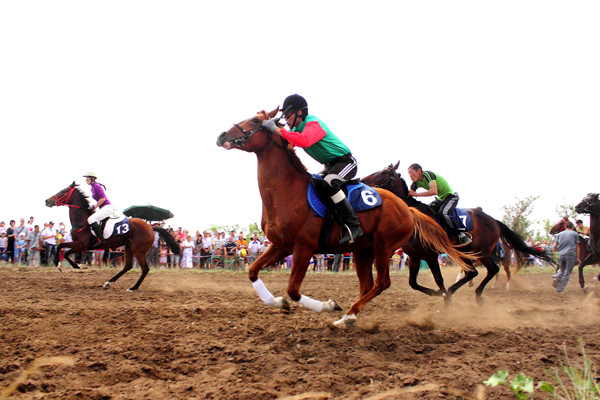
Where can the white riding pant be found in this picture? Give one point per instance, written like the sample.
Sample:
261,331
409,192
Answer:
100,214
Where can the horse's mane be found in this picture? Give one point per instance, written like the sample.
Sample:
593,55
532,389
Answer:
290,152
84,196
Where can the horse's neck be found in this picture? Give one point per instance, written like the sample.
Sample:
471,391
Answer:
595,233
398,190
79,213
278,180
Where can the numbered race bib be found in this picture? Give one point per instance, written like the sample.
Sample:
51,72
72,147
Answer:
361,197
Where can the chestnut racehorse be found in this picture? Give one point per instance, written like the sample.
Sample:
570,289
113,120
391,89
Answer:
486,233
292,227
137,241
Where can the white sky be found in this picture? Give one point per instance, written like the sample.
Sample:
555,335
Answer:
500,98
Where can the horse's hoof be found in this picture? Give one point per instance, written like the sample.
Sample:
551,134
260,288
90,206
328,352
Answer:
507,286
331,305
346,322
471,284
82,266
585,289
131,290
282,303
480,301
106,285
59,268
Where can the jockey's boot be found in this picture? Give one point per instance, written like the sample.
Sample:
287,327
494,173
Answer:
464,237
347,219
99,234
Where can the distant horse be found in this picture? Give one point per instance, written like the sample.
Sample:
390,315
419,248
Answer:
486,233
137,240
292,227
590,205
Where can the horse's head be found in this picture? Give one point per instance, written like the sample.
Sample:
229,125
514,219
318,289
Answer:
249,135
559,226
68,196
589,205
389,179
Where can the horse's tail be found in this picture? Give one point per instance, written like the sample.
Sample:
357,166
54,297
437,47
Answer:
169,239
515,241
433,236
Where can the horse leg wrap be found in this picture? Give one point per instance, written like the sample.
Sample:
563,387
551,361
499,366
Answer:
311,304
263,292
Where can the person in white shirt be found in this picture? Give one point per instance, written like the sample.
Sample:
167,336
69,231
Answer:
49,238
206,250
188,248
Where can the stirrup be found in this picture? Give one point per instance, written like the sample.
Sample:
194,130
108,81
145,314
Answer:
358,230
465,237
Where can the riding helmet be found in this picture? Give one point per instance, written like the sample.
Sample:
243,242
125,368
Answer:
90,174
294,103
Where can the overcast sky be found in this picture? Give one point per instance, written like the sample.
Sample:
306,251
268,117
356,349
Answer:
500,98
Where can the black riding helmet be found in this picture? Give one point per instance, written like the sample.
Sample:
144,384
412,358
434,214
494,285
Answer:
295,103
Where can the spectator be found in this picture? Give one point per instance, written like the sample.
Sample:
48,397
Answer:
163,256
34,245
320,262
49,238
2,228
20,249
10,234
3,245
254,248
197,247
29,225
337,260
206,250
568,255
230,245
152,256
188,247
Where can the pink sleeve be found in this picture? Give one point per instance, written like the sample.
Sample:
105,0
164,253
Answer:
311,134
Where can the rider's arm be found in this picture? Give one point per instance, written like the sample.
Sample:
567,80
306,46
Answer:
310,135
431,192
99,202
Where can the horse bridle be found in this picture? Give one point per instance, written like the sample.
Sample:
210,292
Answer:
61,202
240,142
389,182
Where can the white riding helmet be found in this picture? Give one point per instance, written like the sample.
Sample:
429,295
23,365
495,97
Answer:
90,174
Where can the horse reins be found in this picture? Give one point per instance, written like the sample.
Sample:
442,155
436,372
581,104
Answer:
61,202
387,183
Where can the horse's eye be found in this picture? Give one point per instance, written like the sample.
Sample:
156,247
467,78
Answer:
256,120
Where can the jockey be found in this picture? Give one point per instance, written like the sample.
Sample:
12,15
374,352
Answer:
317,140
102,209
446,199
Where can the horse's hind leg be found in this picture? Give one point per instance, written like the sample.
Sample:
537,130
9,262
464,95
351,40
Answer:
382,282
467,277
492,270
141,257
127,267
414,266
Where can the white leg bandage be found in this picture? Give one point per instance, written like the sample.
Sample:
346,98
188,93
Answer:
311,304
339,196
263,292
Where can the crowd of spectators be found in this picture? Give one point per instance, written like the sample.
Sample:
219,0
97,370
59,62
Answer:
34,245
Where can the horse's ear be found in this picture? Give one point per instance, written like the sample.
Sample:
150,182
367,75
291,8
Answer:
273,113
73,184
397,165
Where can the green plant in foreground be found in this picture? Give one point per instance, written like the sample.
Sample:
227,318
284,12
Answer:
522,386
580,385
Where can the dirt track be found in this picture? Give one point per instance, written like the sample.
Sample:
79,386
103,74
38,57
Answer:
189,335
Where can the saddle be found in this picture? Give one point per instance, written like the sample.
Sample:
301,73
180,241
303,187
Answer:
113,226
361,197
460,218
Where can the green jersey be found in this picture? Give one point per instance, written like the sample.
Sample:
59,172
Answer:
442,186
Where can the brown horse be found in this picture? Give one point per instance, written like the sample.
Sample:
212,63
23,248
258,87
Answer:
137,241
292,227
590,205
486,233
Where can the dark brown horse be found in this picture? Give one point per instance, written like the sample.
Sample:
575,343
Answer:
590,205
292,227
486,233
137,241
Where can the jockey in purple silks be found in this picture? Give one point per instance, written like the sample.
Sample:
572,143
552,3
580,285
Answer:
102,208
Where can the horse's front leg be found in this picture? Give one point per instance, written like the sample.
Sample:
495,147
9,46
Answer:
271,256
74,248
300,263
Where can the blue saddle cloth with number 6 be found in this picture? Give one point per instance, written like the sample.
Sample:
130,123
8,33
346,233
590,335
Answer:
361,197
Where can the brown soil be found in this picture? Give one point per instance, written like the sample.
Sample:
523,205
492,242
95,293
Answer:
190,335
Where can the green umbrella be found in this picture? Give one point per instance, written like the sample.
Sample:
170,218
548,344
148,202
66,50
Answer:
149,213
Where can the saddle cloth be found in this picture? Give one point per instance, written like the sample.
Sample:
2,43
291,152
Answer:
114,226
460,218
361,197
